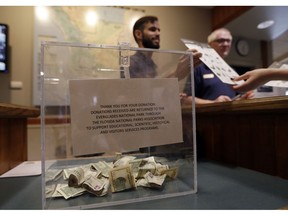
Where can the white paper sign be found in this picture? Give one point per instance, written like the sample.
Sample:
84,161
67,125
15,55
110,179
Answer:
109,115
278,83
214,61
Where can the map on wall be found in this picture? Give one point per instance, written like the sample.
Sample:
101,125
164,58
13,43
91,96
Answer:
78,25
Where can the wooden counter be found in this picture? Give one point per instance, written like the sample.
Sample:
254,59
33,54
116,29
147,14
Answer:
13,134
250,133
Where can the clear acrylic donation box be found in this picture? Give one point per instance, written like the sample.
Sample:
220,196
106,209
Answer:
114,129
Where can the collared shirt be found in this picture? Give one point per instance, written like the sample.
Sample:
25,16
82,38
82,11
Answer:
208,85
142,66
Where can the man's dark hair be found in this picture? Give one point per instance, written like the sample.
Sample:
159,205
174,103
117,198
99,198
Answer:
140,23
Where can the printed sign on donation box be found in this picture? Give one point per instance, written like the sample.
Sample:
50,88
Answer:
124,114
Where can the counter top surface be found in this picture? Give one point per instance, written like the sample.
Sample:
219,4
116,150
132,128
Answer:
220,187
250,105
17,111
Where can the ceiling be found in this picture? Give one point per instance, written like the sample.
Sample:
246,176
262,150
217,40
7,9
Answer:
245,26
249,20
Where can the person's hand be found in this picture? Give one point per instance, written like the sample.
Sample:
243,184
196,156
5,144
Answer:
247,95
183,67
253,79
196,57
222,98
183,97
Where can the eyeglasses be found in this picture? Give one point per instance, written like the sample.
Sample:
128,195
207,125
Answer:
222,40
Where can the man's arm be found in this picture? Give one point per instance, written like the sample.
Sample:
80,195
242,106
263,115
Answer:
183,68
188,100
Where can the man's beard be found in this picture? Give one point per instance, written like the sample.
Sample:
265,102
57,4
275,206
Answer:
148,43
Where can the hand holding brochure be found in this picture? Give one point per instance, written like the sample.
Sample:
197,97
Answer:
214,61
278,83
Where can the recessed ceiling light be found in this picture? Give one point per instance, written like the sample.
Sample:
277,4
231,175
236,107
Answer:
265,24
91,18
42,13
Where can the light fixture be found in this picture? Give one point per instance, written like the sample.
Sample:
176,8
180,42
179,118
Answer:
265,24
132,21
91,18
42,13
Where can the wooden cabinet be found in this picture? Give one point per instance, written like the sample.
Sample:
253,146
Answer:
13,134
250,133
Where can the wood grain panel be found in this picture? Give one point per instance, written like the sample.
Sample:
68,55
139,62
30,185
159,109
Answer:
221,15
249,133
13,134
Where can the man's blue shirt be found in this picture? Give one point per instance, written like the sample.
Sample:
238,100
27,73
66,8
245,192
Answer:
208,85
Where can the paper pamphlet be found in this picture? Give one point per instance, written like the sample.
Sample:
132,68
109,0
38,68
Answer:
278,83
214,61
27,168
124,114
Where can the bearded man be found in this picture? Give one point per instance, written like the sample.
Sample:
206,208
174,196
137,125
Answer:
146,32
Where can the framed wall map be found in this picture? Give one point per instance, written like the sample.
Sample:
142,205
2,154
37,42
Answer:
79,24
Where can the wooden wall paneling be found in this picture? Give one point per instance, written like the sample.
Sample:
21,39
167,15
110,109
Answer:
18,141
245,149
13,134
13,143
205,137
221,15
4,145
248,133
281,148
257,143
225,138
